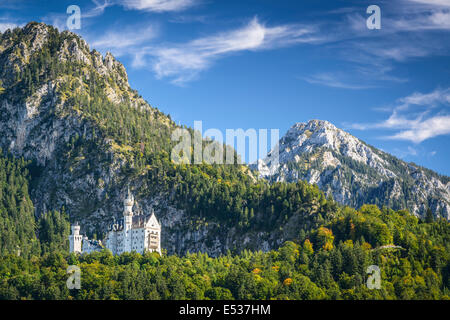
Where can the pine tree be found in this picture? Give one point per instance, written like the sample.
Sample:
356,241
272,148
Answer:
429,218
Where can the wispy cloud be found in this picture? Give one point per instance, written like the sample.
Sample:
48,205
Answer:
99,8
370,58
7,25
417,117
179,18
409,30
432,99
442,3
9,22
59,20
334,81
125,40
158,5
141,5
423,130
437,19
183,62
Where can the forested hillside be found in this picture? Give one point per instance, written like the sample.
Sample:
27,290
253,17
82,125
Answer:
331,248
17,223
329,262
21,233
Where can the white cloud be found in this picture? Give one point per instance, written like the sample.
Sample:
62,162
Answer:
436,19
399,53
421,131
409,30
334,81
141,5
157,5
440,19
432,99
442,3
99,8
125,39
421,126
7,25
182,62
395,121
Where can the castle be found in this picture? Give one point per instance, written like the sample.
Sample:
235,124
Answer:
139,233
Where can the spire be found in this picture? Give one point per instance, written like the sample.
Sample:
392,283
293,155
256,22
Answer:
128,203
129,192
153,221
75,228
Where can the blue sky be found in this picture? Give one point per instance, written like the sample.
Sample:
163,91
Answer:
267,64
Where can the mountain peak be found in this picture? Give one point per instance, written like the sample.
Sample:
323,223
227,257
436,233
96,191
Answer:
26,47
314,123
352,171
35,27
323,134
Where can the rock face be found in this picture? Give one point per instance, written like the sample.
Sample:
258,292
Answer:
39,124
353,172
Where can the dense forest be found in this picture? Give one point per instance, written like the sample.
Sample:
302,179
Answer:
330,263
21,233
17,223
329,260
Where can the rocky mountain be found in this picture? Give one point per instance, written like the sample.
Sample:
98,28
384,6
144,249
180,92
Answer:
354,172
71,112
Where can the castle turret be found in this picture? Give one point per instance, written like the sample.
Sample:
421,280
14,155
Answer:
75,238
128,204
154,233
128,221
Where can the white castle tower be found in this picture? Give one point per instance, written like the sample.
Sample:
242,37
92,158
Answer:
128,222
75,238
153,229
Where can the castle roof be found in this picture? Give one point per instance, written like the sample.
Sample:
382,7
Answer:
95,243
143,221
138,221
